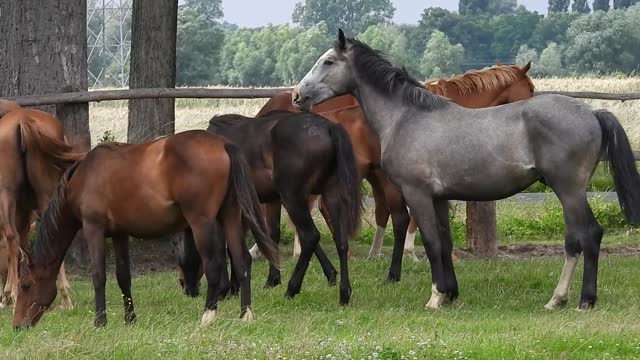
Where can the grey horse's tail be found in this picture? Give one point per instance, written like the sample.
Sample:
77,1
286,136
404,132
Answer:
622,164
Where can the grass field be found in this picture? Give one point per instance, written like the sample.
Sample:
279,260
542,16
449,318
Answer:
499,315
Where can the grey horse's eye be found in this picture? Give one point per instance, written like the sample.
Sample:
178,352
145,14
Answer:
328,62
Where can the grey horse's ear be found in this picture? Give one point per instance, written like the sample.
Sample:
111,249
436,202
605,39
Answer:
342,41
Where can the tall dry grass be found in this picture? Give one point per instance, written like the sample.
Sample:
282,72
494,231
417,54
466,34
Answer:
195,113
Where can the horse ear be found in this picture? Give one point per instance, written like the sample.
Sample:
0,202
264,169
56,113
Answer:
527,67
24,256
342,41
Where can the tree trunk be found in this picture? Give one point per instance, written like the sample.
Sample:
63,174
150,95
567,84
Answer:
44,51
153,64
481,228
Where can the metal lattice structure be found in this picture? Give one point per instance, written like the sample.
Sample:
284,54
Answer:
108,42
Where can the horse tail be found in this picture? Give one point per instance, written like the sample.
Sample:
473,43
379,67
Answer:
348,185
249,204
622,164
7,106
58,152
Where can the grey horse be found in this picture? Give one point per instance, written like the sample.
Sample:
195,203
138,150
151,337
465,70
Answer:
435,151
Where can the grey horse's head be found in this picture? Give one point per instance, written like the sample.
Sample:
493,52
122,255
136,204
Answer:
330,76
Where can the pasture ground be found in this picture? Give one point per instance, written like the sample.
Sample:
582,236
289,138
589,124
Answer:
498,315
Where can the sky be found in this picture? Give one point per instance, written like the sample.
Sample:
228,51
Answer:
252,13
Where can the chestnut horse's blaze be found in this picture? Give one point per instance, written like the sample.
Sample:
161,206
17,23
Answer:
192,180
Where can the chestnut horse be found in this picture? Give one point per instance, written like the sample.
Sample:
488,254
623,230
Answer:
482,88
193,180
34,154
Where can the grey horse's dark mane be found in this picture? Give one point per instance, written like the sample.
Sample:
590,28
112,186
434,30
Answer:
376,70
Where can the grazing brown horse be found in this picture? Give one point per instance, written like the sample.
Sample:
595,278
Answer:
483,88
292,156
33,155
193,180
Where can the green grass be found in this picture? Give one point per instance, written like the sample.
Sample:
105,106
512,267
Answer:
499,315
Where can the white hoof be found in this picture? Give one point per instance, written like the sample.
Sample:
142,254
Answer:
255,252
208,317
437,299
3,304
556,303
411,255
248,316
66,304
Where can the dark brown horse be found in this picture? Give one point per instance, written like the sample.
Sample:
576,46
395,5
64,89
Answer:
292,156
192,180
33,155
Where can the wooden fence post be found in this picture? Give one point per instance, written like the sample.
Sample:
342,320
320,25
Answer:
481,228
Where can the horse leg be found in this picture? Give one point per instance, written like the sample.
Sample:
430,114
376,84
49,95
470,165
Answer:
332,205
240,258
423,208
298,210
273,213
400,220
444,230
12,241
409,242
254,251
382,217
212,250
582,234
313,202
123,275
327,268
94,235
63,288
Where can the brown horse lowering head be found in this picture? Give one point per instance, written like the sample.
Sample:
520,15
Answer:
498,85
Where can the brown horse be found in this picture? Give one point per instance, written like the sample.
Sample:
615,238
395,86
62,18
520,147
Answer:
34,154
483,88
193,180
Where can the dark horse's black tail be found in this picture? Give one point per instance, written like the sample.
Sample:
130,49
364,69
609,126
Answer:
249,203
616,147
348,190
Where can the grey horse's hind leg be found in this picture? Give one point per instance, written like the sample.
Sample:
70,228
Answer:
582,234
422,205
451,283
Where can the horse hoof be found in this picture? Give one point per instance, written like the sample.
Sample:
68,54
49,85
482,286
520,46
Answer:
332,279
66,305
208,317
393,278
247,316
272,283
585,306
437,299
345,296
130,319
556,304
411,255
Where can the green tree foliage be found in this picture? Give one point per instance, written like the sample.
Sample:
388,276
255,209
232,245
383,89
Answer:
580,6
602,5
298,54
466,7
390,40
199,46
511,31
416,42
550,62
525,55
353,16
250,56
558,6
605,41
552,28
440,57
211,10
623,4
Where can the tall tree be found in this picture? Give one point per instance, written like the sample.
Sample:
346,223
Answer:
299,53
440,57
623,4
473,6
558,6
153,64
388,39
500,7
353,16
602,5
580,6
199,46
209,9
552,27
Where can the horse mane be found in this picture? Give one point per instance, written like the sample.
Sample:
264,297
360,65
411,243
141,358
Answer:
375,69
7,106
48,226
477,81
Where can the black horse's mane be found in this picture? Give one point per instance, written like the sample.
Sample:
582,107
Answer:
375,69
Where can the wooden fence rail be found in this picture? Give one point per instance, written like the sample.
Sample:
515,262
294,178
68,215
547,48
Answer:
228,93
